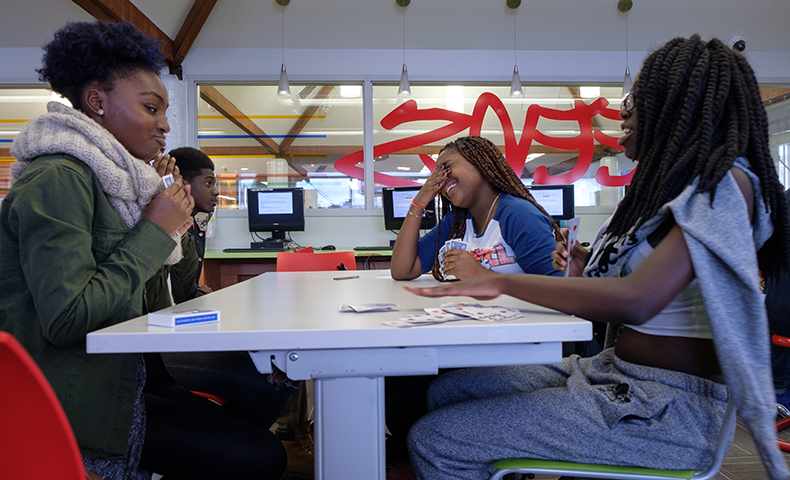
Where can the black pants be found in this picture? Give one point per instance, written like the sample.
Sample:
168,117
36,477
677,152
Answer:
232,376
190,437
405,402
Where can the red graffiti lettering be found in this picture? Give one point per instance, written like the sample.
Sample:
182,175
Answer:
515,151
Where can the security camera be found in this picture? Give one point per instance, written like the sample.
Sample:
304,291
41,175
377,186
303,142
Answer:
737,43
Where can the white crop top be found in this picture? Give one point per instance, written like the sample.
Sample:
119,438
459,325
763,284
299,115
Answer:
685,315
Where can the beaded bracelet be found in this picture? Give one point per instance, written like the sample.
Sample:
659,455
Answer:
408,212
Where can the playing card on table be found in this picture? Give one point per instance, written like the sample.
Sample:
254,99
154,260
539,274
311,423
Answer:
422,319
453,307
441,314
368,307
415,320
484,313
492,314
397,323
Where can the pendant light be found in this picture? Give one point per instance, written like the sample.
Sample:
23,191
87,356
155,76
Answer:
403,87
283,88
515,83
625,6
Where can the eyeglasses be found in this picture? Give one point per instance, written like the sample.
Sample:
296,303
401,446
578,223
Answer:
629,102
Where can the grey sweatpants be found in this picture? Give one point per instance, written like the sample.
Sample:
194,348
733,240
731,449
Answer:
593,410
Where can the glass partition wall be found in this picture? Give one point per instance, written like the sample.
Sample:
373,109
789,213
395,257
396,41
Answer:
314,138
553,134
550,135
258,138
778,109
17,106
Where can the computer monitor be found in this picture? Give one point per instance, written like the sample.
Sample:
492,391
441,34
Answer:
276,210
557,200
396,202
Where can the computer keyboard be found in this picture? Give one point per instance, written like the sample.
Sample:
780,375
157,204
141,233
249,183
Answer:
380,247
264,249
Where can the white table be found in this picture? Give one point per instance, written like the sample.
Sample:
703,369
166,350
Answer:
293,320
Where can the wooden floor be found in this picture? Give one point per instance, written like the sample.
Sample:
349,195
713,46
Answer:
743,462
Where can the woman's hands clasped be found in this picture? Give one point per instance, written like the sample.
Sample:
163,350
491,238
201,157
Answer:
164,164
174,199
172,209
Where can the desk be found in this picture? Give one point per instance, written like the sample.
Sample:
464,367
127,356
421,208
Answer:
223,269
293,320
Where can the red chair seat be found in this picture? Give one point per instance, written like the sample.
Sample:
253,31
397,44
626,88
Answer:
307,262
36,438
785,422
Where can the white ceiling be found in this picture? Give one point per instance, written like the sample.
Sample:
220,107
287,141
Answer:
433,24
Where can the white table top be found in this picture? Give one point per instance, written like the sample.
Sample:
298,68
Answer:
300,311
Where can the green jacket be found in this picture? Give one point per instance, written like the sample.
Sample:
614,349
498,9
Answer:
183,275
71,266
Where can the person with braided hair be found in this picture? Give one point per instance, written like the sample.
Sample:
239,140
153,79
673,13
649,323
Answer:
487,207
675,273
484,204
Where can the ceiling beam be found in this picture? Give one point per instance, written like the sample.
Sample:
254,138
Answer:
213,97
189,31
771,96
125,11
304,118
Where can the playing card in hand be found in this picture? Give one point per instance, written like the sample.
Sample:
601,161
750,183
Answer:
570,244
168,180
455,243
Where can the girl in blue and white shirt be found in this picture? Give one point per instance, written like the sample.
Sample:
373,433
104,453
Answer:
489,209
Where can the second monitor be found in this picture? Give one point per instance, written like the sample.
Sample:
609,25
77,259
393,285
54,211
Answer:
557,200
396,202
276,210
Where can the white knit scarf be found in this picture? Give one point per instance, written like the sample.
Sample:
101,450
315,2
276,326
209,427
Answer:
129,183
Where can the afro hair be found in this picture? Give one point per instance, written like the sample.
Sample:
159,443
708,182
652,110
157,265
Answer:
96,52
191,161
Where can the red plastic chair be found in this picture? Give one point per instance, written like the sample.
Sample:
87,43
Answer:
306,262
785,422
36,439
304,250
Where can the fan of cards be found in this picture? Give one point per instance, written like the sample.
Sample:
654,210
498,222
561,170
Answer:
449,312
449,245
